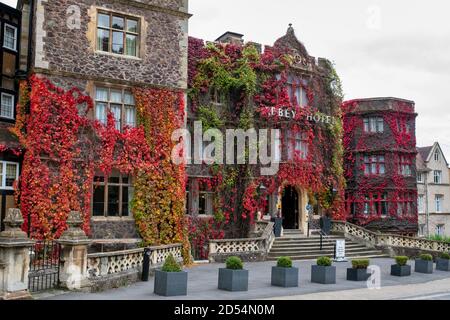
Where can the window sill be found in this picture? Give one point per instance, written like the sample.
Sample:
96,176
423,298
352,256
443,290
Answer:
13,50
113,219
103,53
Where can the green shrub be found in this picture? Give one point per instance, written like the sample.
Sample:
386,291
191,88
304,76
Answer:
324,262
445,256
426,257
234,263
439,238
360,264
171,265
284,262
401,260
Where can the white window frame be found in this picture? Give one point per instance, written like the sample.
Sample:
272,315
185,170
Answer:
438,200
123,106
15,36
3,181
440,229
13,104
419,177
437,177
436,156
421,203
373,125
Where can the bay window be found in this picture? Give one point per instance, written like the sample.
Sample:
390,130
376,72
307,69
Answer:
374,165
374,125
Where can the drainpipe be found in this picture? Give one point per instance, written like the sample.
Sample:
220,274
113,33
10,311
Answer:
427,211
30,36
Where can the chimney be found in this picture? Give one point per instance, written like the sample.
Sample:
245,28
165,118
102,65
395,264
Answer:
231,37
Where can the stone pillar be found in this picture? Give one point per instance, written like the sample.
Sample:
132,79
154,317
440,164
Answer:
14,258
74,248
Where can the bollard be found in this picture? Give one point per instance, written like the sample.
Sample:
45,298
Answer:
146,264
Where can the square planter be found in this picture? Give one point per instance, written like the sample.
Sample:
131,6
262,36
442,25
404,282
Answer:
423,266
357,274
233,280
323,275
170,284
400,271
443,265
285,277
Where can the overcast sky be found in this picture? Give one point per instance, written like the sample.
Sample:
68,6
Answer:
395,48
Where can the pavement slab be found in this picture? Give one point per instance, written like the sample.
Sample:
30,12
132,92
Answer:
202,285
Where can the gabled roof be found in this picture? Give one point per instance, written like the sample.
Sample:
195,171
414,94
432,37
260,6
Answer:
424,152
290,41
427,152
420,164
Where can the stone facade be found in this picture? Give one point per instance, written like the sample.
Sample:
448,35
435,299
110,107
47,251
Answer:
70,51
433,195
64,50
380,164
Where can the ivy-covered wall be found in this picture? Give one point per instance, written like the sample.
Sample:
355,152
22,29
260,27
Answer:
380,164
233,86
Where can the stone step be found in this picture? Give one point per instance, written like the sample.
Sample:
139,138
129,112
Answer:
300,241
317,252
366,255
278,248
301,249
312,243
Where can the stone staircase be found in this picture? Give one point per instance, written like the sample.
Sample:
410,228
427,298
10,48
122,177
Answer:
297,246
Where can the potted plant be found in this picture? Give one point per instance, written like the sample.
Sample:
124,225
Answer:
233,277
424,264
284,274
171,280
324,272
358,271
401,268
443,262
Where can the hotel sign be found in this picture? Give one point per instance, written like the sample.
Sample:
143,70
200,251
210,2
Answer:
291,114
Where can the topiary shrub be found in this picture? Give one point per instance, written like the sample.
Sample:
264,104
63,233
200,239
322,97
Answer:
360,264
234,263
444,256
284,262
171,265
401,260
426,257
324,262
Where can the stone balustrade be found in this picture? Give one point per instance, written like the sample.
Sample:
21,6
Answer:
389,240
249,249
113,263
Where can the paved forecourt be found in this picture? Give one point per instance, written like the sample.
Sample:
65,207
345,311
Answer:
202,285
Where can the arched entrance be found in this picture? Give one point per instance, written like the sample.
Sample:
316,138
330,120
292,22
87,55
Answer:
290,208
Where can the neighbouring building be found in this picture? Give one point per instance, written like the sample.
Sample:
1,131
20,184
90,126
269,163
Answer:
380,164
433,183
105,49
10,150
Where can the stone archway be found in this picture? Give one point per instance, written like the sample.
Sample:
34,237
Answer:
293,200
290,208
